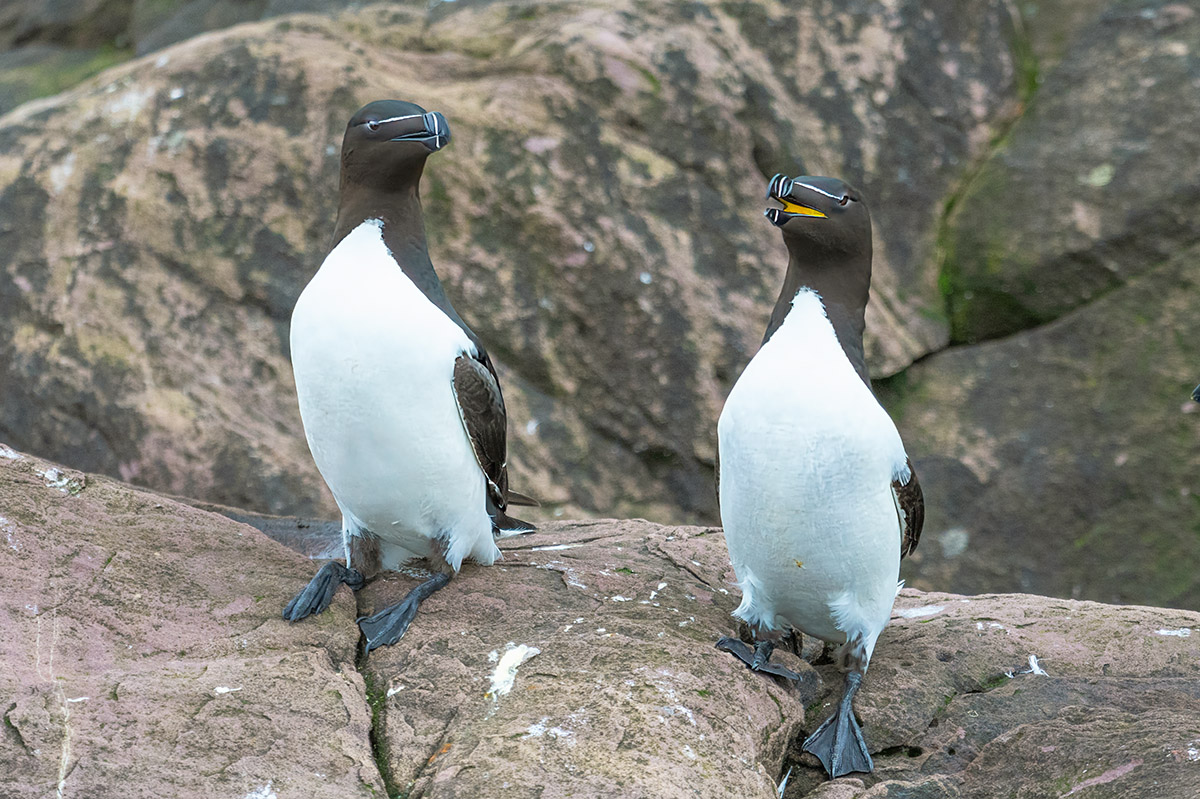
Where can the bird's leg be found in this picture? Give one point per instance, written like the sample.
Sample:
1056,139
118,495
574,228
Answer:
759,659
838,743
826,654
389,625
316,596
795,642
362,549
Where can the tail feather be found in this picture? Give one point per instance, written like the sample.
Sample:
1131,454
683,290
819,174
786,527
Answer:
517,498
504,525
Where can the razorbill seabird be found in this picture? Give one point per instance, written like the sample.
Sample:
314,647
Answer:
818,498
401,405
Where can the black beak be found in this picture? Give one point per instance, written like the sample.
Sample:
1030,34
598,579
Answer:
1196,393
780,186
780,189
435,136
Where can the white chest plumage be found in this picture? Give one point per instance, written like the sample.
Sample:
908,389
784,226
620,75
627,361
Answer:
807,461
374,364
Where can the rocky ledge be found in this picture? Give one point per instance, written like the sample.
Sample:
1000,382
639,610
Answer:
142,654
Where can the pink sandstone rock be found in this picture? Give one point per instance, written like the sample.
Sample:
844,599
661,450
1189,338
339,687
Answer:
142,654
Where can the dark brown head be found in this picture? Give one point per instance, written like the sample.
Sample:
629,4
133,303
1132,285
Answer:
387,142
820,217
827,230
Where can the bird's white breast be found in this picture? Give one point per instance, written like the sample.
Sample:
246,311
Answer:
807,458
374,363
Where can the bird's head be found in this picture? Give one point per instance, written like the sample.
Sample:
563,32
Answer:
820,215
387,142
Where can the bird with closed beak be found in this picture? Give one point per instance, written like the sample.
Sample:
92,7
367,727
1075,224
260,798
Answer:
400,402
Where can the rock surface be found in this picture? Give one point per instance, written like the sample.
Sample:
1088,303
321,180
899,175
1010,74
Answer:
1064,459
1096,184
597,220
143,654
623,693
40,70
1032,169
1084,427
1100,698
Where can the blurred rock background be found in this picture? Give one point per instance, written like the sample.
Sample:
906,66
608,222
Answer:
167,187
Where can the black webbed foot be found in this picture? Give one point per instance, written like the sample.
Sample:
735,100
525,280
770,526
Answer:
389,625
759,659
838,743
316,596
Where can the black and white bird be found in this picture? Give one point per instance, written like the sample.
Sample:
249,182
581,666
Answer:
401,405
818,498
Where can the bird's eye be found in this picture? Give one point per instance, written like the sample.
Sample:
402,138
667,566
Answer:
845,199
373,124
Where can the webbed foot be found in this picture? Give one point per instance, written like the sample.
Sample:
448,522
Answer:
759,659
389,625
838,743
316,596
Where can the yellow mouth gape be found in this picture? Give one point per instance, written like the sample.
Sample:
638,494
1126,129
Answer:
790,207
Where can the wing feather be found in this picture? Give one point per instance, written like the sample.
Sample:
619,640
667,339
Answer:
910,501
481,407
